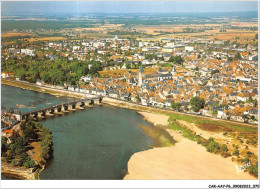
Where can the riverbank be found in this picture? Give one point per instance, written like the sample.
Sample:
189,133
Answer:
17,172
185,160
51,91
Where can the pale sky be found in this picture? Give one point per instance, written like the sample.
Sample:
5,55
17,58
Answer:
128,6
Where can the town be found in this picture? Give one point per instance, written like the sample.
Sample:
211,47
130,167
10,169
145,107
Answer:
159,90
221,79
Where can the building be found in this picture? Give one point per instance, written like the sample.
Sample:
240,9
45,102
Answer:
28,52
162,77
87,78
141,76
167,49
189,48
179,48
40,82
254,58
4,75
173,72
13,51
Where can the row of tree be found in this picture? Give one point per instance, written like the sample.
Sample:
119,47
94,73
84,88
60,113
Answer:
55,72
196,104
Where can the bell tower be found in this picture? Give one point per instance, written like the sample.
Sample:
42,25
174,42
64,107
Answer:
173,72
141,75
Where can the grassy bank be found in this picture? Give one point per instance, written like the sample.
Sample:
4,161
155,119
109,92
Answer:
20,84
212,125
161,138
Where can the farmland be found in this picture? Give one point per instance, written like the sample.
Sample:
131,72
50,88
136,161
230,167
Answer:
46,39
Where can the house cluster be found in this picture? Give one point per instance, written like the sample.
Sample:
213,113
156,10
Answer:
9,118
135,51
6,75
121,52
230,93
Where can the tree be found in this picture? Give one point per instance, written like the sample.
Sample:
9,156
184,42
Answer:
250,99
13,162
29,163
224,148
8,158
213,146
176,60
23,77
236,152
245,118
226,42
197,103
138,99
253,169
228,115
4,145
176,106
237,56
230,59
252,118
214,72
128,66
186,107
255,91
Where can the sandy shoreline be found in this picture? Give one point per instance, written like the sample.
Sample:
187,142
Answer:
186,160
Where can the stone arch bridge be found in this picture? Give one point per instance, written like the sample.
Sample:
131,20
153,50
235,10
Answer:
63,107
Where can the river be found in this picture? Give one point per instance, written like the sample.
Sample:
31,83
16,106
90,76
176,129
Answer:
94,143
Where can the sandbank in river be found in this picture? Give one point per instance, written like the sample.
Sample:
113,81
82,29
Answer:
185,160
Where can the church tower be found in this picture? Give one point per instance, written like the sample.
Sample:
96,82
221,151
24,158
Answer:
173,72
141,75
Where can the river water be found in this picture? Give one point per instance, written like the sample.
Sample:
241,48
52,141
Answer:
95,143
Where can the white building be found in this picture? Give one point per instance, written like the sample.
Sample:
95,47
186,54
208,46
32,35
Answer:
241,78
189,48
144,43
74,48
167,49
254,58
40,82
29,52
86,78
